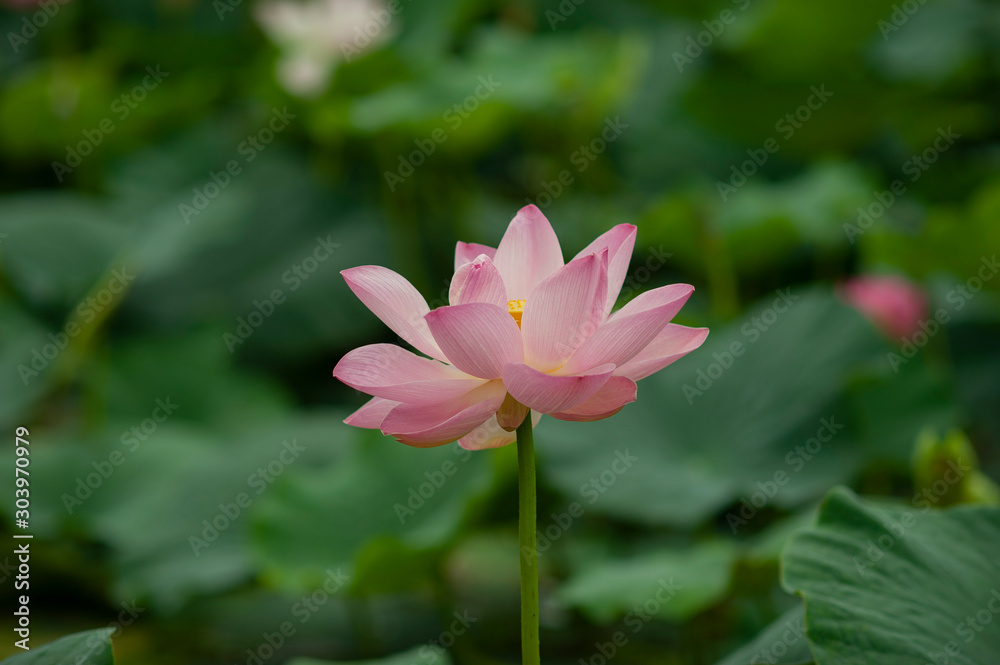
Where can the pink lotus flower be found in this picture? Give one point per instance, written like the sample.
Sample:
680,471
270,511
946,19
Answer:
894,304
523,332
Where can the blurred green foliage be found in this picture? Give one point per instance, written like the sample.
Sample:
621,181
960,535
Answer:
249,511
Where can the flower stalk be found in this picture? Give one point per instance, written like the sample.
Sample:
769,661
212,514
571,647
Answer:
527,541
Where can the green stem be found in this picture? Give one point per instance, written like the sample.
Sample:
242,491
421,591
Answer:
527,540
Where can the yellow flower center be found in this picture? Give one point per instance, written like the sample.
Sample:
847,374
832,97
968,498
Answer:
516,309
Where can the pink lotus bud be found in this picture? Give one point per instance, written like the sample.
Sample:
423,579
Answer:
895,305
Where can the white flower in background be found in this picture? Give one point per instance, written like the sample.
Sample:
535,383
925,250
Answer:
314,36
